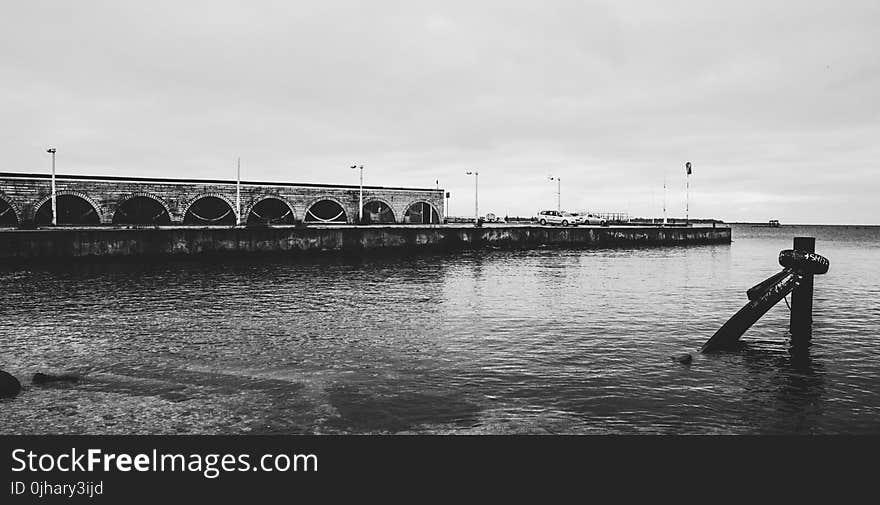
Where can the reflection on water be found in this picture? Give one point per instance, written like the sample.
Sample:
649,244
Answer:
541,341
794,387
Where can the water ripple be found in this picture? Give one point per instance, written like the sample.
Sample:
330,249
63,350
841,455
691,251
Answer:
540,341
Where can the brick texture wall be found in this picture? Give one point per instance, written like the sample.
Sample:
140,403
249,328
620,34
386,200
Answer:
25,194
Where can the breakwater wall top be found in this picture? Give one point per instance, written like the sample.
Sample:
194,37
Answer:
183,241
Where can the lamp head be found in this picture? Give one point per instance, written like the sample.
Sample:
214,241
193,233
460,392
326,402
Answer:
51,150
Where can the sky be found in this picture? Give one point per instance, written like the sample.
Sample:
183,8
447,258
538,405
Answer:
776,104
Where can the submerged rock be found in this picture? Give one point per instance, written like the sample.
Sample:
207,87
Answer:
684,359
42,378
9,385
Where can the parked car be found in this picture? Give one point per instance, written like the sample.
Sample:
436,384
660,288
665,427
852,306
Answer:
589,218
546,217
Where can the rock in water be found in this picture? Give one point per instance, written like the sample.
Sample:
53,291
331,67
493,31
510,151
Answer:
9,385
684,359
42,378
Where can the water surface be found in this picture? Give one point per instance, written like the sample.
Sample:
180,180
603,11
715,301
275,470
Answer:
541,341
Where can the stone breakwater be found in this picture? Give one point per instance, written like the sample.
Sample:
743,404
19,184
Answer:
64,243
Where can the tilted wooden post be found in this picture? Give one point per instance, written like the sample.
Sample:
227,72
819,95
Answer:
774,289
801,323
799,266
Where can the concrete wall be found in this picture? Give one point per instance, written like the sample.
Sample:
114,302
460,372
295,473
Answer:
74,243
25,193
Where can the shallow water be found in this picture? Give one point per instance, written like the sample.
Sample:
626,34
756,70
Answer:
542,341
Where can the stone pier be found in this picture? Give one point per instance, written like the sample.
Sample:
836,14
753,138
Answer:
67,243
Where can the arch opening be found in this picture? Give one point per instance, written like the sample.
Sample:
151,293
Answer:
421,213
326,211
270,211
141,210
210,211
377,212
7,214
72,210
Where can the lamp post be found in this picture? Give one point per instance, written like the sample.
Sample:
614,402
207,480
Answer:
558,192
446,201
361,199
51,151
687,203
238,192
476,175
664,200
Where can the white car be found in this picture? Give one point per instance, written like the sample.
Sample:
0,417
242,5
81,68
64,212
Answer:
589,218
546,217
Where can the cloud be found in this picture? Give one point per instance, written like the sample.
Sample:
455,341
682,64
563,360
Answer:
765,98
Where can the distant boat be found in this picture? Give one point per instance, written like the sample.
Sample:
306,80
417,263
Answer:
774,223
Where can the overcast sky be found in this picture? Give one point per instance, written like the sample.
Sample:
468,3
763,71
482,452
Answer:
776,104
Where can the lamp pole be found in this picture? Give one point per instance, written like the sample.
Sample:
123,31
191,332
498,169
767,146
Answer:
558,192
687,201
51,151
238,192
476,175
361,199
664,199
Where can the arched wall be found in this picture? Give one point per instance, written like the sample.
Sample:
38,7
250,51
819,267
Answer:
99,209
346,208
247,213
198,197
106,193
151,196
418,201
14,208
394,214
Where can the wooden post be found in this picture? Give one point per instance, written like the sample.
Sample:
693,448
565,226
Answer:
800,265
772,291
801,322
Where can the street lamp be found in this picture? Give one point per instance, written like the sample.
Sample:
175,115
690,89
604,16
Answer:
361,199
238,192
476,175
446,205
51,151
687,204
558,192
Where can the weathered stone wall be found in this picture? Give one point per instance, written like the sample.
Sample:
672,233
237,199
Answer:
99,242
25,193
